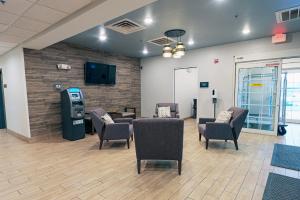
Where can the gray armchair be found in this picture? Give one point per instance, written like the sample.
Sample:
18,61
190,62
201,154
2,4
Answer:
173,107
121,130
223,131
158,139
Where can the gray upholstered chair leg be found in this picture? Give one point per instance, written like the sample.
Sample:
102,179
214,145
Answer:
138,162
200,136
101,143
128,144
206,143
236,144
179,166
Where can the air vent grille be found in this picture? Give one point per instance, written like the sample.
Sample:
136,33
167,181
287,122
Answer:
125,26
288,15
161,41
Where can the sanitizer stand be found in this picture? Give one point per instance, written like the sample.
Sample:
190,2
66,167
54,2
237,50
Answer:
214,100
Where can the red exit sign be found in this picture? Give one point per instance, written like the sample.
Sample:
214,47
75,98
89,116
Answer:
279,38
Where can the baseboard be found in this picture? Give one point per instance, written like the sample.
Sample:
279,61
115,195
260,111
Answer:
17,135
191,117
34,139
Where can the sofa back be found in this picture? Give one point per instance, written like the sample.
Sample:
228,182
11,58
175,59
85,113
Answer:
239,116
98,123
158,138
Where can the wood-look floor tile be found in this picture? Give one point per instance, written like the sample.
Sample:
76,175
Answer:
59,169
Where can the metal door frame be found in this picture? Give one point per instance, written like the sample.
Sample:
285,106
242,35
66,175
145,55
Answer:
261,63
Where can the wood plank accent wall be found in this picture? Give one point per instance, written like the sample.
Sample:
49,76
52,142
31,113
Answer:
42,74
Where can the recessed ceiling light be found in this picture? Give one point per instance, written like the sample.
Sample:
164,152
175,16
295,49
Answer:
145,51
148,20
102,34
102,37
191,42
246,30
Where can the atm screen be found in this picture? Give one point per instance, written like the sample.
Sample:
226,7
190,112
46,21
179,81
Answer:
75,96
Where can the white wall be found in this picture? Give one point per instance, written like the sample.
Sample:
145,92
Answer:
15,95
157,73
186,89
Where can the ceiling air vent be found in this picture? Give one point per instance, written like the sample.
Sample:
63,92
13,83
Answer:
288,15
161,41
125,26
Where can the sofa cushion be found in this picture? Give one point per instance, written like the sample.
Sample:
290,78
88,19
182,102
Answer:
107,119
130,129
224,117
201,128
164,112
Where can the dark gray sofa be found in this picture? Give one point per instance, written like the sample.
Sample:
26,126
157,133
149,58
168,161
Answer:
223,131
122,129
158,139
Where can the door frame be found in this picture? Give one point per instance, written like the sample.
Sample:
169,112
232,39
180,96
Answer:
174,78
278,89
3,98
291,70
174,83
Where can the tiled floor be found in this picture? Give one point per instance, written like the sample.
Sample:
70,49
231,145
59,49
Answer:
78,170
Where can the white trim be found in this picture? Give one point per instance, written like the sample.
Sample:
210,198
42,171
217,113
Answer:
251,65
292,53
95,14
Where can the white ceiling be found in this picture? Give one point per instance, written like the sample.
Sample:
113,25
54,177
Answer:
94,14
22,19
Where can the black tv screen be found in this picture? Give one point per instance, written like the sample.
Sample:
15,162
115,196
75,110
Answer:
96,73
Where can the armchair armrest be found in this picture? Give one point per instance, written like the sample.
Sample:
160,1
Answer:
205,120
117,131
218,131
130,108
123,120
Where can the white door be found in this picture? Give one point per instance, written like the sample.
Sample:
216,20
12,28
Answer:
258,90
185,90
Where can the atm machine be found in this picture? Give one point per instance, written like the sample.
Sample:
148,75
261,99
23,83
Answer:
72,110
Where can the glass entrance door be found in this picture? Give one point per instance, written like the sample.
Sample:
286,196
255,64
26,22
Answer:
258,90
292,97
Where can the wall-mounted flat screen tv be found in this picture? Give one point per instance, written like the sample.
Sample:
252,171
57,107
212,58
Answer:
97,73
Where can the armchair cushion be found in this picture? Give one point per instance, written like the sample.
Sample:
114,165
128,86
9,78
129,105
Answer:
202,128
117,131
107,119
174,111
224,117
164,112
123,120
218,131
205,120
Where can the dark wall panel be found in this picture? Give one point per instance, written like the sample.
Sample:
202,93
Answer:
42,74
